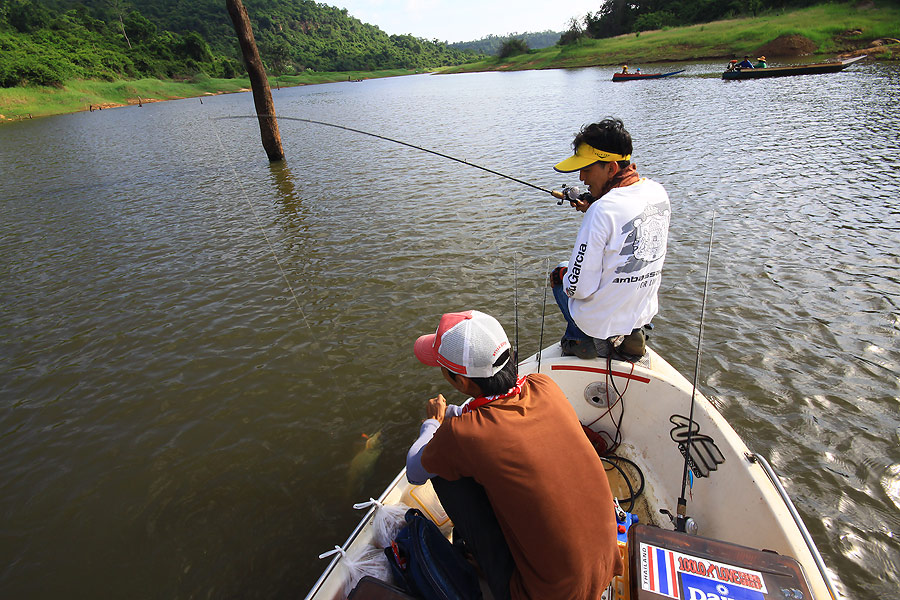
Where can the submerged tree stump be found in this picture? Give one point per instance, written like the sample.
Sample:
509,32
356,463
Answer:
259,83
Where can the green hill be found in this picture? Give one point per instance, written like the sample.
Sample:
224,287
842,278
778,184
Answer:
56,57
491,44
824,29
46,42
301,34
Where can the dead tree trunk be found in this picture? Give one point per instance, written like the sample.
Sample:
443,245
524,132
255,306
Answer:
259,83
122,25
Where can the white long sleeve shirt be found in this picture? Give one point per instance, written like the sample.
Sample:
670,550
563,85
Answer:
415,472
616,264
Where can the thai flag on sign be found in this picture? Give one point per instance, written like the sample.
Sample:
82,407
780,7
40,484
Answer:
658,572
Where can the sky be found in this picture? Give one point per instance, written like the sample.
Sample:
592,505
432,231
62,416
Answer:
466,20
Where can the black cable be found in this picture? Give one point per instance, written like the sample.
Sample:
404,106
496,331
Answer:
620,399
637,469
632,496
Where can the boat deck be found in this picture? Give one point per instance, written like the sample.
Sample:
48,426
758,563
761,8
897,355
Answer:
734,496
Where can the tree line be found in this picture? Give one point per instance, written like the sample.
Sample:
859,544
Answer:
617,17
493,44
46,42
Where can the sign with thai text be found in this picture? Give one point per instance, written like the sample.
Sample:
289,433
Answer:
684,577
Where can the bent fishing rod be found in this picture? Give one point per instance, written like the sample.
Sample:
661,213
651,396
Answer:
568,193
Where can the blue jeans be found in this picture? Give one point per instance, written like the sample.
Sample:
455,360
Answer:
467,505
572,330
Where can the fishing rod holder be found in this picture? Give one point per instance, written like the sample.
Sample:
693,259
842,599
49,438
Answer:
681,523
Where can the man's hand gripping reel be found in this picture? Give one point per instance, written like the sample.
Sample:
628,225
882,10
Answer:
571,194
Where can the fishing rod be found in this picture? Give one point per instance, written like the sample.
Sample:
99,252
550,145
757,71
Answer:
568,193
543,314
516,303
681,520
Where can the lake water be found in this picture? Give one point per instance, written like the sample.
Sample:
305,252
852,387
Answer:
194,341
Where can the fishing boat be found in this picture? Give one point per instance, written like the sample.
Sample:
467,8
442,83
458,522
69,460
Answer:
634,76
810,69
741,531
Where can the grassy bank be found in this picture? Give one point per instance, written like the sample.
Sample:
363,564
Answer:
826,30
831,29
77,95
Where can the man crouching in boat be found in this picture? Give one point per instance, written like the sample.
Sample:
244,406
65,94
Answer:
607,291
513,469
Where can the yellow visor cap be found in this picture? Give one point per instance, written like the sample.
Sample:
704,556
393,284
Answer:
587,155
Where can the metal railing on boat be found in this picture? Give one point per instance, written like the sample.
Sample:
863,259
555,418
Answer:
813,550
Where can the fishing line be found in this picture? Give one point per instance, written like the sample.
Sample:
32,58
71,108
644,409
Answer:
563,195
266,237
259,223
402,143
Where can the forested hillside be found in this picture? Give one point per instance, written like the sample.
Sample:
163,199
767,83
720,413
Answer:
45,42
492,43
300,33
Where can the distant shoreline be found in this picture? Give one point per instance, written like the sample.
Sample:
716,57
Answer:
23,103
824,30
861,29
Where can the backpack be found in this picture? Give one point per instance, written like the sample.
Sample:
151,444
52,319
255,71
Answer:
425,563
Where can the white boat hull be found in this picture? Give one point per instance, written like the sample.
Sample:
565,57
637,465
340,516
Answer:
737,502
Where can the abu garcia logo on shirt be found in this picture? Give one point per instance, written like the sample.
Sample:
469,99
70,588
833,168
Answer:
575,271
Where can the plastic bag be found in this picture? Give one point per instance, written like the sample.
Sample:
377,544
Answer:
367,560
388,520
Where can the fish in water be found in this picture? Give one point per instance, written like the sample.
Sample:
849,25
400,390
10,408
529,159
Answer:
362,464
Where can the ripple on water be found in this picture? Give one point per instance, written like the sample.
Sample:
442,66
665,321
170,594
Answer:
169,395
891,484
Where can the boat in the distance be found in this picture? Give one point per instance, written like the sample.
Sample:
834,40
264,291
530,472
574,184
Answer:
810,69
742,537
636,76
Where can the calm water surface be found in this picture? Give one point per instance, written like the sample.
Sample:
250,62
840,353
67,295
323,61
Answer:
194,340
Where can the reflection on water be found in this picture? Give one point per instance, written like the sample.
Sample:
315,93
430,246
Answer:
284,185
195,338
891,484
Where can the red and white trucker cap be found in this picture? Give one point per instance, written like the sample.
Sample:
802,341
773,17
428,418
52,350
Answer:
466,343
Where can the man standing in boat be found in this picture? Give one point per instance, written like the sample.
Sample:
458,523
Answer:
607,291
513,469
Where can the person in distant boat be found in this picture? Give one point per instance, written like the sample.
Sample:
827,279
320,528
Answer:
513,469
624,69
638,71
745,64
760,63
607,291
732,65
